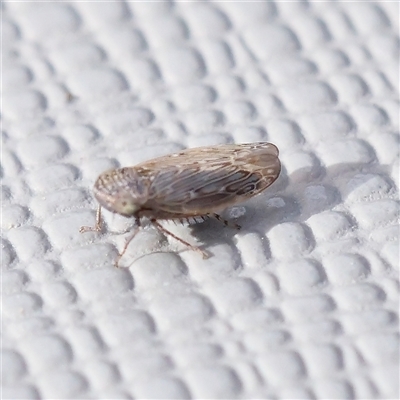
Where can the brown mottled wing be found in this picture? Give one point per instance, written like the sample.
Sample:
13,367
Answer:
208,179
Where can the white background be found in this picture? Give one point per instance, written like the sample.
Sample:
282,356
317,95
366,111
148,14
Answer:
302,302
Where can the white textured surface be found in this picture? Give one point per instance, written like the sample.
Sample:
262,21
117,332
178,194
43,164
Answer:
303,302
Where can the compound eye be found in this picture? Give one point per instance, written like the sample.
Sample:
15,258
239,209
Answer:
125,207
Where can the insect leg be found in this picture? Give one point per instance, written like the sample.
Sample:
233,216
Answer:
225,222
136,230
97,227
167,232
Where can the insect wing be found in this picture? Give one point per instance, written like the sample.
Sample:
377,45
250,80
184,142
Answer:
208,179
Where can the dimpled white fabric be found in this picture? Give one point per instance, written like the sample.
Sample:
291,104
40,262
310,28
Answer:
302,302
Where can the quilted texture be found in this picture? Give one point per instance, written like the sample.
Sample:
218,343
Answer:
302,302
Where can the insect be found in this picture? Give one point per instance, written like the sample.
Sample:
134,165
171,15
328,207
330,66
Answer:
188,186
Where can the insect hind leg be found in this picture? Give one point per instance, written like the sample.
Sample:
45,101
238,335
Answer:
167,232
225,222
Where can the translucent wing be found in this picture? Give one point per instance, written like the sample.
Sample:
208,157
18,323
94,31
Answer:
208,179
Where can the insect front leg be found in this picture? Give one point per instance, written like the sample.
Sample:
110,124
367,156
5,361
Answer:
167,232
136,230
97,227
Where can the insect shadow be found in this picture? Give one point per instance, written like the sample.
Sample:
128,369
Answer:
304,193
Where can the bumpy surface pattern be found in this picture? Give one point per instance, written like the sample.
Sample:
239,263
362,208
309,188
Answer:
302,302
